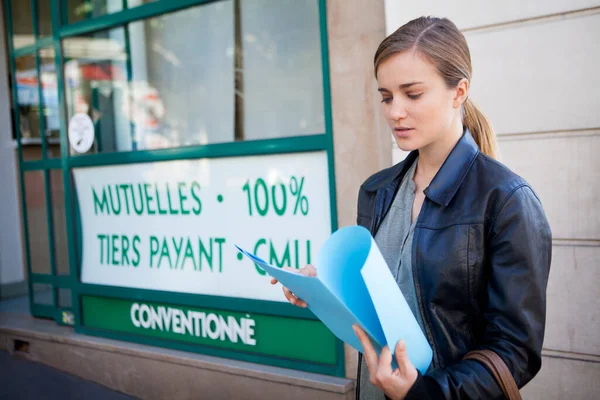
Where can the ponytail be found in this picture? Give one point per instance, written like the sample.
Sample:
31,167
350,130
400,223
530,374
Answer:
481,129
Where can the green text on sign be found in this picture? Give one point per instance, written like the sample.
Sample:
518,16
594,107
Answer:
298,339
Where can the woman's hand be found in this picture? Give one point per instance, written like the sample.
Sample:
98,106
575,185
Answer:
308,270
394,383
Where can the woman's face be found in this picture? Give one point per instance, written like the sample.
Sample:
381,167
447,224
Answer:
418,106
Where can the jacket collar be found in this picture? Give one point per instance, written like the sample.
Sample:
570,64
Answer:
451,175
446,182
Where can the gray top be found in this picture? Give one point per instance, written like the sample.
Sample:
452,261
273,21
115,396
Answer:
394,238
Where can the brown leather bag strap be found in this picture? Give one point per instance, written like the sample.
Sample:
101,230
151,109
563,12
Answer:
498,368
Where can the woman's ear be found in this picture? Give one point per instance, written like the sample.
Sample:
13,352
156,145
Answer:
462,93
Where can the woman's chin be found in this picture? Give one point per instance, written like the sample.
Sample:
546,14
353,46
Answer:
406,144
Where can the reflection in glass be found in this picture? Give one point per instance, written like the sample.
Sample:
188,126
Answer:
64,298
22,23
283,84
183,94
37,222
50,100
240,70
95,78
44,18
80,10
42,294
27,97
154,85
59,223
29,104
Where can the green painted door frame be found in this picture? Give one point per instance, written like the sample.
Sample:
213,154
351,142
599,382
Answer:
73,315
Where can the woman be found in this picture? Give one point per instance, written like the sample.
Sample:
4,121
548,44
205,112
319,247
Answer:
466,238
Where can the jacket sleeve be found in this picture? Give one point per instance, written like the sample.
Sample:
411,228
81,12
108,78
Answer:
519,245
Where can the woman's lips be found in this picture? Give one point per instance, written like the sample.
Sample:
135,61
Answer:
402,132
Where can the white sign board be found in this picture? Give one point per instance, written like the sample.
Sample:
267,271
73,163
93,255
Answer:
81,132
172,225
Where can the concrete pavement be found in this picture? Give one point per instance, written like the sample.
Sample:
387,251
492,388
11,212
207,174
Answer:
22,379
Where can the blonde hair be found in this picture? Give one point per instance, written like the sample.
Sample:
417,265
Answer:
440,41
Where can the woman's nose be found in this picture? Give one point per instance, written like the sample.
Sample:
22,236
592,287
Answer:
398,110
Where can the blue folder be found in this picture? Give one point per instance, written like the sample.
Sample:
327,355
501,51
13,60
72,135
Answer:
355,286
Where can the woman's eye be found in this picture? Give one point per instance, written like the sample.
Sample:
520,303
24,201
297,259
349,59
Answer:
414,96
386,100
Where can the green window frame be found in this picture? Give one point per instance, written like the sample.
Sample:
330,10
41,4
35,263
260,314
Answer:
65,163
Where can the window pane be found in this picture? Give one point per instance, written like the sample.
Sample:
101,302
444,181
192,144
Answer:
64,298
95,80
22,23
154,85
32,151
44,18
57,190
80,10
282,83
42,293
37,222
28,106
191,73
50,97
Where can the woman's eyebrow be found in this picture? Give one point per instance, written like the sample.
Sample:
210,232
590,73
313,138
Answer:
409,84
403,86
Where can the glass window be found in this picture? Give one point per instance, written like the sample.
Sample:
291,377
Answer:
37,222
22,23
95,83
183,94
64,298
44,18
28,106
42,294
236,72
50,97
80,10
57,190
282,84
153,85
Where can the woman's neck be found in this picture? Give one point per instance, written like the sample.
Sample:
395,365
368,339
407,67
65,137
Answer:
432,156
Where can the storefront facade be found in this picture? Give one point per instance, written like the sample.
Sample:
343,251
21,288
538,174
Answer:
153,136
173,130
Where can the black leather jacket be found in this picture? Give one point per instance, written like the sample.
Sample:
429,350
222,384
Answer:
480,259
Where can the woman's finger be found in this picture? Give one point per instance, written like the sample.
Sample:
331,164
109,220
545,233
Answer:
293,299
288,295
385,361
309,270
404,364
274,281
369,352
301,303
